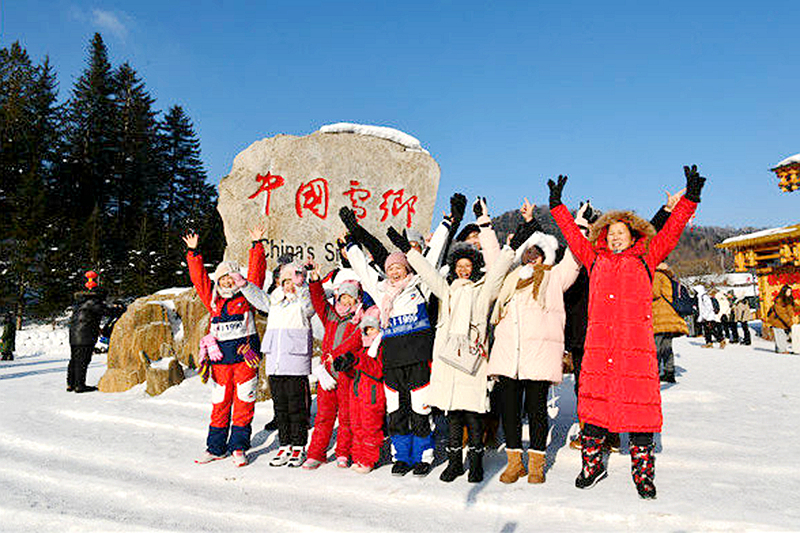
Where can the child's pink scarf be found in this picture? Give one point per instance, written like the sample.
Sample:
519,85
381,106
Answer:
393,289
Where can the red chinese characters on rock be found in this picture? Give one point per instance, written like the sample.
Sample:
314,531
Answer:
358,195
269,183
312,196
397,205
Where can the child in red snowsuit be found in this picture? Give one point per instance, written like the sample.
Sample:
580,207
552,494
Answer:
333,397
234,354
368,402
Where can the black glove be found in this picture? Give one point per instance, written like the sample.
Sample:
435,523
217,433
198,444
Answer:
694,183
477,208
522,233
555,191
349,218
458,203
344,362
398,240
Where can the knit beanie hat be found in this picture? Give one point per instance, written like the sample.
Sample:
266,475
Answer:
349,287
396,258
371,318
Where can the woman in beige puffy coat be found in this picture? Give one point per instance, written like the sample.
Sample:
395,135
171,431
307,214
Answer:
460,389
529,346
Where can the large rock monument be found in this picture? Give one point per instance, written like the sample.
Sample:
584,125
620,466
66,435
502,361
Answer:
294,186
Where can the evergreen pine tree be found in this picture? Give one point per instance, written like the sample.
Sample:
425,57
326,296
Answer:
29,129
90,152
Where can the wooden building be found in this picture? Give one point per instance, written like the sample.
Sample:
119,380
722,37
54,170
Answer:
773,254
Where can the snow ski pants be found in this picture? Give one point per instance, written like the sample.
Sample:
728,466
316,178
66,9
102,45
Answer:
290,398
330,404
233,395
409,413
367,412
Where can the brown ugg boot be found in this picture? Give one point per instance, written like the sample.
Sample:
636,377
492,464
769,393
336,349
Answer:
535,467
515,469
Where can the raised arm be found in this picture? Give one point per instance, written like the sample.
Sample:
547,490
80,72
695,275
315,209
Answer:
318,300
441,240
197,271
257,262
666,239
363,237
369,276
579,245
429,275
490,246
257,296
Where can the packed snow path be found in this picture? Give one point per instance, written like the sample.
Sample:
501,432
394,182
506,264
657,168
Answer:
727,461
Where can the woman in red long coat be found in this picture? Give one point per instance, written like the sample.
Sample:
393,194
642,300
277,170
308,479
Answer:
619,388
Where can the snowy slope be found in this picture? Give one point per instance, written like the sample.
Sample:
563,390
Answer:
728,461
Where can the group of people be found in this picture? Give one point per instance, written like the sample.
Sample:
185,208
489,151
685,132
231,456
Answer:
720,315
456,323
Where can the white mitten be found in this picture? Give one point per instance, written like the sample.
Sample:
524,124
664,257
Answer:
326,381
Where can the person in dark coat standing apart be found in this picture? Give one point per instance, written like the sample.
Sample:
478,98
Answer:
619,387
84,329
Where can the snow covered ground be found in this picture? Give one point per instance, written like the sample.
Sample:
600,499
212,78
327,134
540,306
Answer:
728,461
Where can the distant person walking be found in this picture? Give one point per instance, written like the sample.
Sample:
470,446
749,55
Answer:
781,317
742,314
708,309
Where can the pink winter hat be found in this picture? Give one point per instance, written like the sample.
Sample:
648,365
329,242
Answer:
371,318
396,258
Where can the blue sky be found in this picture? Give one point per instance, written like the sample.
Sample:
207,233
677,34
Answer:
618,95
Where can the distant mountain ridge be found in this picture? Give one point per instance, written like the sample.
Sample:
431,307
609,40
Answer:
695,254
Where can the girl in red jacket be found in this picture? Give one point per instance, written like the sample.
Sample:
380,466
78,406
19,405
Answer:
232,348
333,395
367,401
619,388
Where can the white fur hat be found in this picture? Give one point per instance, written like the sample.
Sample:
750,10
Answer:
546,243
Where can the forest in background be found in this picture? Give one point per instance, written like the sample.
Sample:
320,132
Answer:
103,180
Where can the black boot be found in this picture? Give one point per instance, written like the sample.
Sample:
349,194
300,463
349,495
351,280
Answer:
643,471
455,465
400,468
475,460
593,469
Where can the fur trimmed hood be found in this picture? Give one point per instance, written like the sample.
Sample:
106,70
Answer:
639,227
546,243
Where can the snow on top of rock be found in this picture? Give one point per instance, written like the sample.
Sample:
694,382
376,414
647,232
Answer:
412,144
792,159
762,233
173,290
